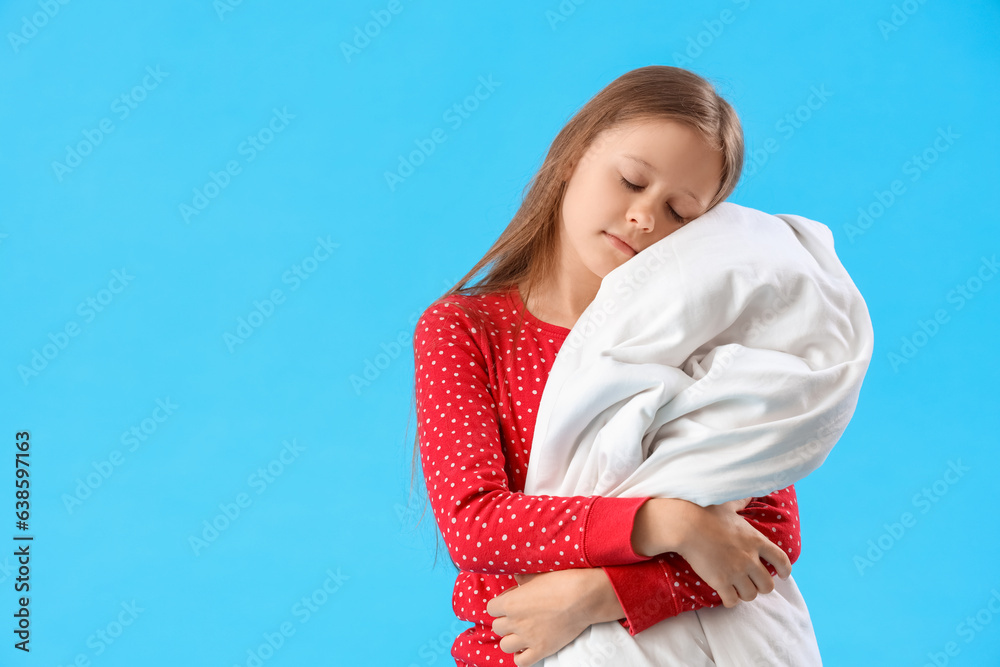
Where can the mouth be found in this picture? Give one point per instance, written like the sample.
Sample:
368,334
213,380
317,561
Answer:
621,245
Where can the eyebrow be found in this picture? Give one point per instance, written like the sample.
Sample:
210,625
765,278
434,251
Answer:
653,169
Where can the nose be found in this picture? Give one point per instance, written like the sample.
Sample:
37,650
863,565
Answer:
641,216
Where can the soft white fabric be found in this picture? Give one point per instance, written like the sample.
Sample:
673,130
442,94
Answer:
722,362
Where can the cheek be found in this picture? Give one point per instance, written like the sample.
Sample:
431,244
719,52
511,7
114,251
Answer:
591,205
593,201
575,205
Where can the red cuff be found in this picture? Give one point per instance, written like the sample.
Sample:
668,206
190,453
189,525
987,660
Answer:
643,594
607,536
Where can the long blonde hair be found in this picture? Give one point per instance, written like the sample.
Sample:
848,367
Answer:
523,253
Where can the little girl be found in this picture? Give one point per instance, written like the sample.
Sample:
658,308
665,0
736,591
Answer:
655,149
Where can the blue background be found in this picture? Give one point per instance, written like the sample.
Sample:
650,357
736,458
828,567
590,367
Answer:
338,511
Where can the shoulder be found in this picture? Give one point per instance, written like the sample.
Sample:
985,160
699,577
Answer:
472,313
458,318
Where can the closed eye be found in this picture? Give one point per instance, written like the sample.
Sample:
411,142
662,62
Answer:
631,186
638,188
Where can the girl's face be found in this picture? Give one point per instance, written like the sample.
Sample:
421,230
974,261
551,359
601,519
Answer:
638,182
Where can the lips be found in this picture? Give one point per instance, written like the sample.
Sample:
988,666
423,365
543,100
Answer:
621,245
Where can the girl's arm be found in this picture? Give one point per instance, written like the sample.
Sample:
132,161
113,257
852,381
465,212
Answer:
546,611
642,594
487,527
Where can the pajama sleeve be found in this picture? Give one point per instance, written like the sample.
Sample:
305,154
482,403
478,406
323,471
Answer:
487,527
666,585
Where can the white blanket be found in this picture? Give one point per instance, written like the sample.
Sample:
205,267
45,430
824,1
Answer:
722,362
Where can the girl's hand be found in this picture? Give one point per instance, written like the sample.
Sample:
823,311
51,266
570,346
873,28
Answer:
548,610
726,551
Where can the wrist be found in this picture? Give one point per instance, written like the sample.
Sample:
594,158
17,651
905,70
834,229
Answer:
601,603
661,525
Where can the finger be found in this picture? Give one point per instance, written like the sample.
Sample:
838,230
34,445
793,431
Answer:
746,588
778,559
762,579
502,626
729,595
496,607
513,643
526,658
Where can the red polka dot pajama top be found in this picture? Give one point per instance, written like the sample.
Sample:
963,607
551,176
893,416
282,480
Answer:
478,385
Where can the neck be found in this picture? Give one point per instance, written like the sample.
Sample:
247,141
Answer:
559,300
